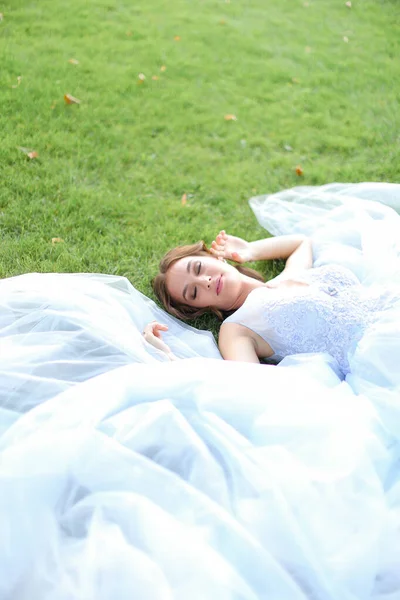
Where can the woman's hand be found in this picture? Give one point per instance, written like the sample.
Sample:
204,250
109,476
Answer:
296,249
152,335
232,248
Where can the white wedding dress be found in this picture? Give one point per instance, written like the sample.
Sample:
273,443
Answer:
123,475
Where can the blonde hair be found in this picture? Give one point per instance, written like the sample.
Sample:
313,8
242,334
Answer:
179,309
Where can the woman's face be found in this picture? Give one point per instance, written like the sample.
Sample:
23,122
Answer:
204,281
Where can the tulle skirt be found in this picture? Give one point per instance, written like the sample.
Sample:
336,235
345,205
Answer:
123,475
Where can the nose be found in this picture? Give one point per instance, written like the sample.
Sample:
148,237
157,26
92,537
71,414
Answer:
205,281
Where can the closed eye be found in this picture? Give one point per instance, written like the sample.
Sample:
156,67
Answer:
197,269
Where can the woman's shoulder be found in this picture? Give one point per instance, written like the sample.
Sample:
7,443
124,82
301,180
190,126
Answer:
236,341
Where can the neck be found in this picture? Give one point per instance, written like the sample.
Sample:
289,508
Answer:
249,284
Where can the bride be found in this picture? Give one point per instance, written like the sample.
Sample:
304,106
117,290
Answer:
191,282
123,474
303,310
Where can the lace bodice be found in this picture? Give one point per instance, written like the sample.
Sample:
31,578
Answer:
328,313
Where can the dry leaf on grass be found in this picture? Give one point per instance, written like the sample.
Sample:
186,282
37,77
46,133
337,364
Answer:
155,77
184,199
230,118
141,78
19,78
163,68
68,99
29,153
56,240
177,38
73,61
299,171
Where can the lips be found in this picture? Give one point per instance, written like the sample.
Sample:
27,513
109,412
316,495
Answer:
219,285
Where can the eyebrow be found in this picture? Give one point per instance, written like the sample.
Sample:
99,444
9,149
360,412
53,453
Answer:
186,286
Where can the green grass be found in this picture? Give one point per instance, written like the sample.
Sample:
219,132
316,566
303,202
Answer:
111,172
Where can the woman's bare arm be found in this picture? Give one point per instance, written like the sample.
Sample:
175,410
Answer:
237,342
301,257
295,249
291,247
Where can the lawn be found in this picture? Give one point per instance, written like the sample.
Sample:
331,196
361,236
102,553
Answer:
148,160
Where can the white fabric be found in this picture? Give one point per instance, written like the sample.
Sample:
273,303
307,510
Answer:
126,476
351,224
329,313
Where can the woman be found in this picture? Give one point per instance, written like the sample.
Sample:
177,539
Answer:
303,310
124,475
191,282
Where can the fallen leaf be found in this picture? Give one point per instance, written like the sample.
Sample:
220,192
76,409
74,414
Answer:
56,240
19,78
345,39
307,49
230,118
29,153
348,4
155,77
299,171
68,99
73,61
184,199
177,38
163,68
